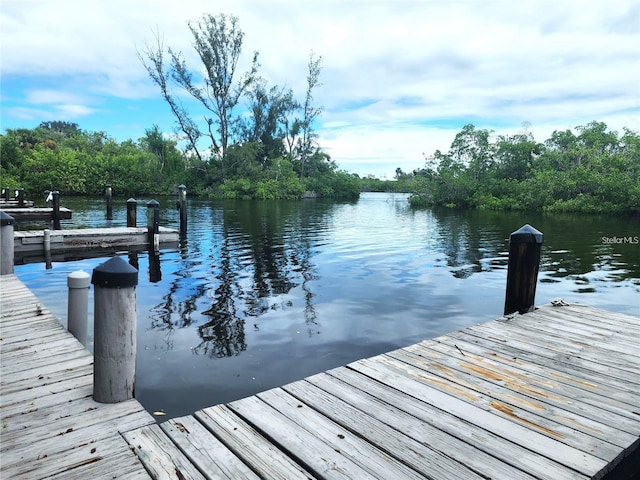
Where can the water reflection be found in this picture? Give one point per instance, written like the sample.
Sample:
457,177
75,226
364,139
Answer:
472,241
256,254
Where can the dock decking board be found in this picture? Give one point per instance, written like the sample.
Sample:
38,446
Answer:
50,425
550,395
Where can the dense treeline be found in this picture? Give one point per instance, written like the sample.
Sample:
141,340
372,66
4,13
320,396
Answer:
591,170
60,155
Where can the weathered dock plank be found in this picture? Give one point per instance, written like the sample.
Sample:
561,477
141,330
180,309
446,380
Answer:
260,454
548,395
51,426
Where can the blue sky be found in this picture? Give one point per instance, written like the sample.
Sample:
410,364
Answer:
399,79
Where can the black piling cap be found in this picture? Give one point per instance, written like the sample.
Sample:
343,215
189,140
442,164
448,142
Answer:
6,219
526,234
132,200
115,273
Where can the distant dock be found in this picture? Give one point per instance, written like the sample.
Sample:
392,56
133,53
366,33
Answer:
552,394
30,243
11,204
23,214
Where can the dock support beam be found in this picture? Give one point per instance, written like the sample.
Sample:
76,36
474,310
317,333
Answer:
182,207
6,244
132,212
55,216
522,272
78,305
108,193
114,350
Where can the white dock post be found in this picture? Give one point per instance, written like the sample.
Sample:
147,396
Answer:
6,244
78,304
114,347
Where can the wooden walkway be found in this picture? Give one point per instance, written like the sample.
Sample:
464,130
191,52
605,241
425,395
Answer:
50,427
554,394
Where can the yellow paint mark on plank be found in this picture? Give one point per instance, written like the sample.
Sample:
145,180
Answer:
502,408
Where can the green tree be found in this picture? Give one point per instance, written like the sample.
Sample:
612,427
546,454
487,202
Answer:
265,124
515,155
165,151
218,43
306,142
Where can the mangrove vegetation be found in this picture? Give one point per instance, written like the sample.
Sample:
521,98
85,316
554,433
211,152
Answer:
591,169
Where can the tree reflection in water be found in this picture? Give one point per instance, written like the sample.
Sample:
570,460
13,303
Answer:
260,252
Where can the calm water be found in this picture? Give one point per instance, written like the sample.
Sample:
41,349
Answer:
265,293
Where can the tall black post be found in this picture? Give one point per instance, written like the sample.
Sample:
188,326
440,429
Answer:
6,194
153,225
55,216
522,272
153,231
182,207
132,213
108,192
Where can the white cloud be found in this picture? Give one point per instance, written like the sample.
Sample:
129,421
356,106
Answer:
390,67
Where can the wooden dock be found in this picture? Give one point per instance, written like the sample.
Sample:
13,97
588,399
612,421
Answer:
23,214
553,394
50,427
30,243
6,205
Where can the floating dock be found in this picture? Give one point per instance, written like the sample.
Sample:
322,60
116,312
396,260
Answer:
30,243
22,214
553,394
10,204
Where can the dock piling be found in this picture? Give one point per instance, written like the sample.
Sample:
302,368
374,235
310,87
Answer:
153,225
46,243
20,196
108,193
132,212
6,244
522,272
182,207
114,350
55,195
78,304
6,193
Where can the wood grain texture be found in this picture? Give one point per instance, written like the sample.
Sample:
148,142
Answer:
51,427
